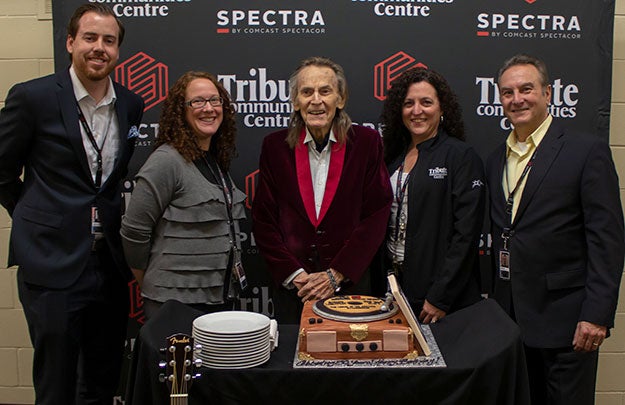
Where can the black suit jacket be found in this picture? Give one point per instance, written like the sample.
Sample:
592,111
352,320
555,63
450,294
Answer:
567,247
51,207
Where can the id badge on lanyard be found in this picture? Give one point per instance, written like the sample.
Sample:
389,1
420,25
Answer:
504,256
237,270
96,224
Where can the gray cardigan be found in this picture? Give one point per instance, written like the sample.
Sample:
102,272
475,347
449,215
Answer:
176,228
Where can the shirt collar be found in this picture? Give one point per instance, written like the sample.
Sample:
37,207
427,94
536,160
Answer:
533,140
81,93
433,141
309,137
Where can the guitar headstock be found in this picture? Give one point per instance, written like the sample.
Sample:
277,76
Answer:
180,367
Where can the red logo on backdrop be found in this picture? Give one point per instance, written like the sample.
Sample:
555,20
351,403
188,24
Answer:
250,187
146,77
136,303
530,1
389,69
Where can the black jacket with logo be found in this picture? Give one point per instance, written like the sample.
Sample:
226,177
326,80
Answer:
446,194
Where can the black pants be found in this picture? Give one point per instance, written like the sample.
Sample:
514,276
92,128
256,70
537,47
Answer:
561,376
78,334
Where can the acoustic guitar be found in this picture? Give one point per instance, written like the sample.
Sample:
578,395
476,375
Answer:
180,367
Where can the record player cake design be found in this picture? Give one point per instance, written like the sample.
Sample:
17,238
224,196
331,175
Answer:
357,327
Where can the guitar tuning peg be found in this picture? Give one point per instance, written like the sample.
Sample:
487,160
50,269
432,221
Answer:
162,364
161,377
162,350
197,375
198,348
187,377
197,362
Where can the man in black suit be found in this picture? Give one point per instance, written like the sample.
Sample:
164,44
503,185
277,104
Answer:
72,134
557,228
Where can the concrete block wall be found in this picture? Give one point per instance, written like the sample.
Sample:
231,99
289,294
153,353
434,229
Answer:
27,53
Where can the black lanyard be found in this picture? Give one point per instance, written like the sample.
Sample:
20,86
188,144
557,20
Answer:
98,149
400,192
228,195
510,200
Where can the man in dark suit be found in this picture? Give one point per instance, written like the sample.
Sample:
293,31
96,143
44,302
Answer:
72,134
557,229
323,200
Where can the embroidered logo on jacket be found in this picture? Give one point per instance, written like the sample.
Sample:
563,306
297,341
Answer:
438,173
477,183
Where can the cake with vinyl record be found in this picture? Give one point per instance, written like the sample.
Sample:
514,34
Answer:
355,327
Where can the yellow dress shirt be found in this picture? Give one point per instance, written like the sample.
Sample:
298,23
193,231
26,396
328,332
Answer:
517,156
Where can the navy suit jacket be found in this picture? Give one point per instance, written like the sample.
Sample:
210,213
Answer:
51,207
567,243
357,198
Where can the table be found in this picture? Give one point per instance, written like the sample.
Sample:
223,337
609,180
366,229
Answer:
480,344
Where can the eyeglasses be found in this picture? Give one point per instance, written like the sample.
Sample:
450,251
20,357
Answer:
200,102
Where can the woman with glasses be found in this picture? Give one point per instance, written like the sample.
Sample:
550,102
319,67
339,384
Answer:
438,186
180,232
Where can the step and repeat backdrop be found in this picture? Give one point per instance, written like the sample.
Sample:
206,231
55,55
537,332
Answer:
253,46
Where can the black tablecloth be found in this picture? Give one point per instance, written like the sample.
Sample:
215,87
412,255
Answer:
480,344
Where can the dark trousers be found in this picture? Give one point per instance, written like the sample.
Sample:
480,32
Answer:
78,334
561,376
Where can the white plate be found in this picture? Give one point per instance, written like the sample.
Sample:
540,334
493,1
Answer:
231,322
230,337
235,349
236,357
229,342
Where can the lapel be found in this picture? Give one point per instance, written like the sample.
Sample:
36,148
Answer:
69,113
545,156
121,108
498,178
337,161
304,178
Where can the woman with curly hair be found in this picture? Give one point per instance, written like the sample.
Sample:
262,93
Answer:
180,232
438,186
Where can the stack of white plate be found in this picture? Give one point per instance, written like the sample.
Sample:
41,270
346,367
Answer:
232,339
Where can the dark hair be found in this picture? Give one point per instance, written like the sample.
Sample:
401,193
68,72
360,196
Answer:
174,129
72,26
395,134
342,123
524,59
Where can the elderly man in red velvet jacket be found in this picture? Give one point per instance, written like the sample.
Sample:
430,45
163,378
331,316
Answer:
323,199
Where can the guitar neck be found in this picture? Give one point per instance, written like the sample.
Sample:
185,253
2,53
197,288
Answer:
179,399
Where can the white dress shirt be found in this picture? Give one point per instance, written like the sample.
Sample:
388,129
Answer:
102,122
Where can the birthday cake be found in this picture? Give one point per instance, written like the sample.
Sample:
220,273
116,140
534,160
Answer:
355,327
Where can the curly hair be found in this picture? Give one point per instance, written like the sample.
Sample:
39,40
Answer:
395,134
175,130
342,123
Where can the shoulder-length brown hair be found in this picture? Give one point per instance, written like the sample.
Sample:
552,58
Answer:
174,129
342,123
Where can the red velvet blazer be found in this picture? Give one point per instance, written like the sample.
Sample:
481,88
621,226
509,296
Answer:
354,213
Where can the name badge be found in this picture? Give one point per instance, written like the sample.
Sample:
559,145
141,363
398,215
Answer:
504,265
237,270
96,225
